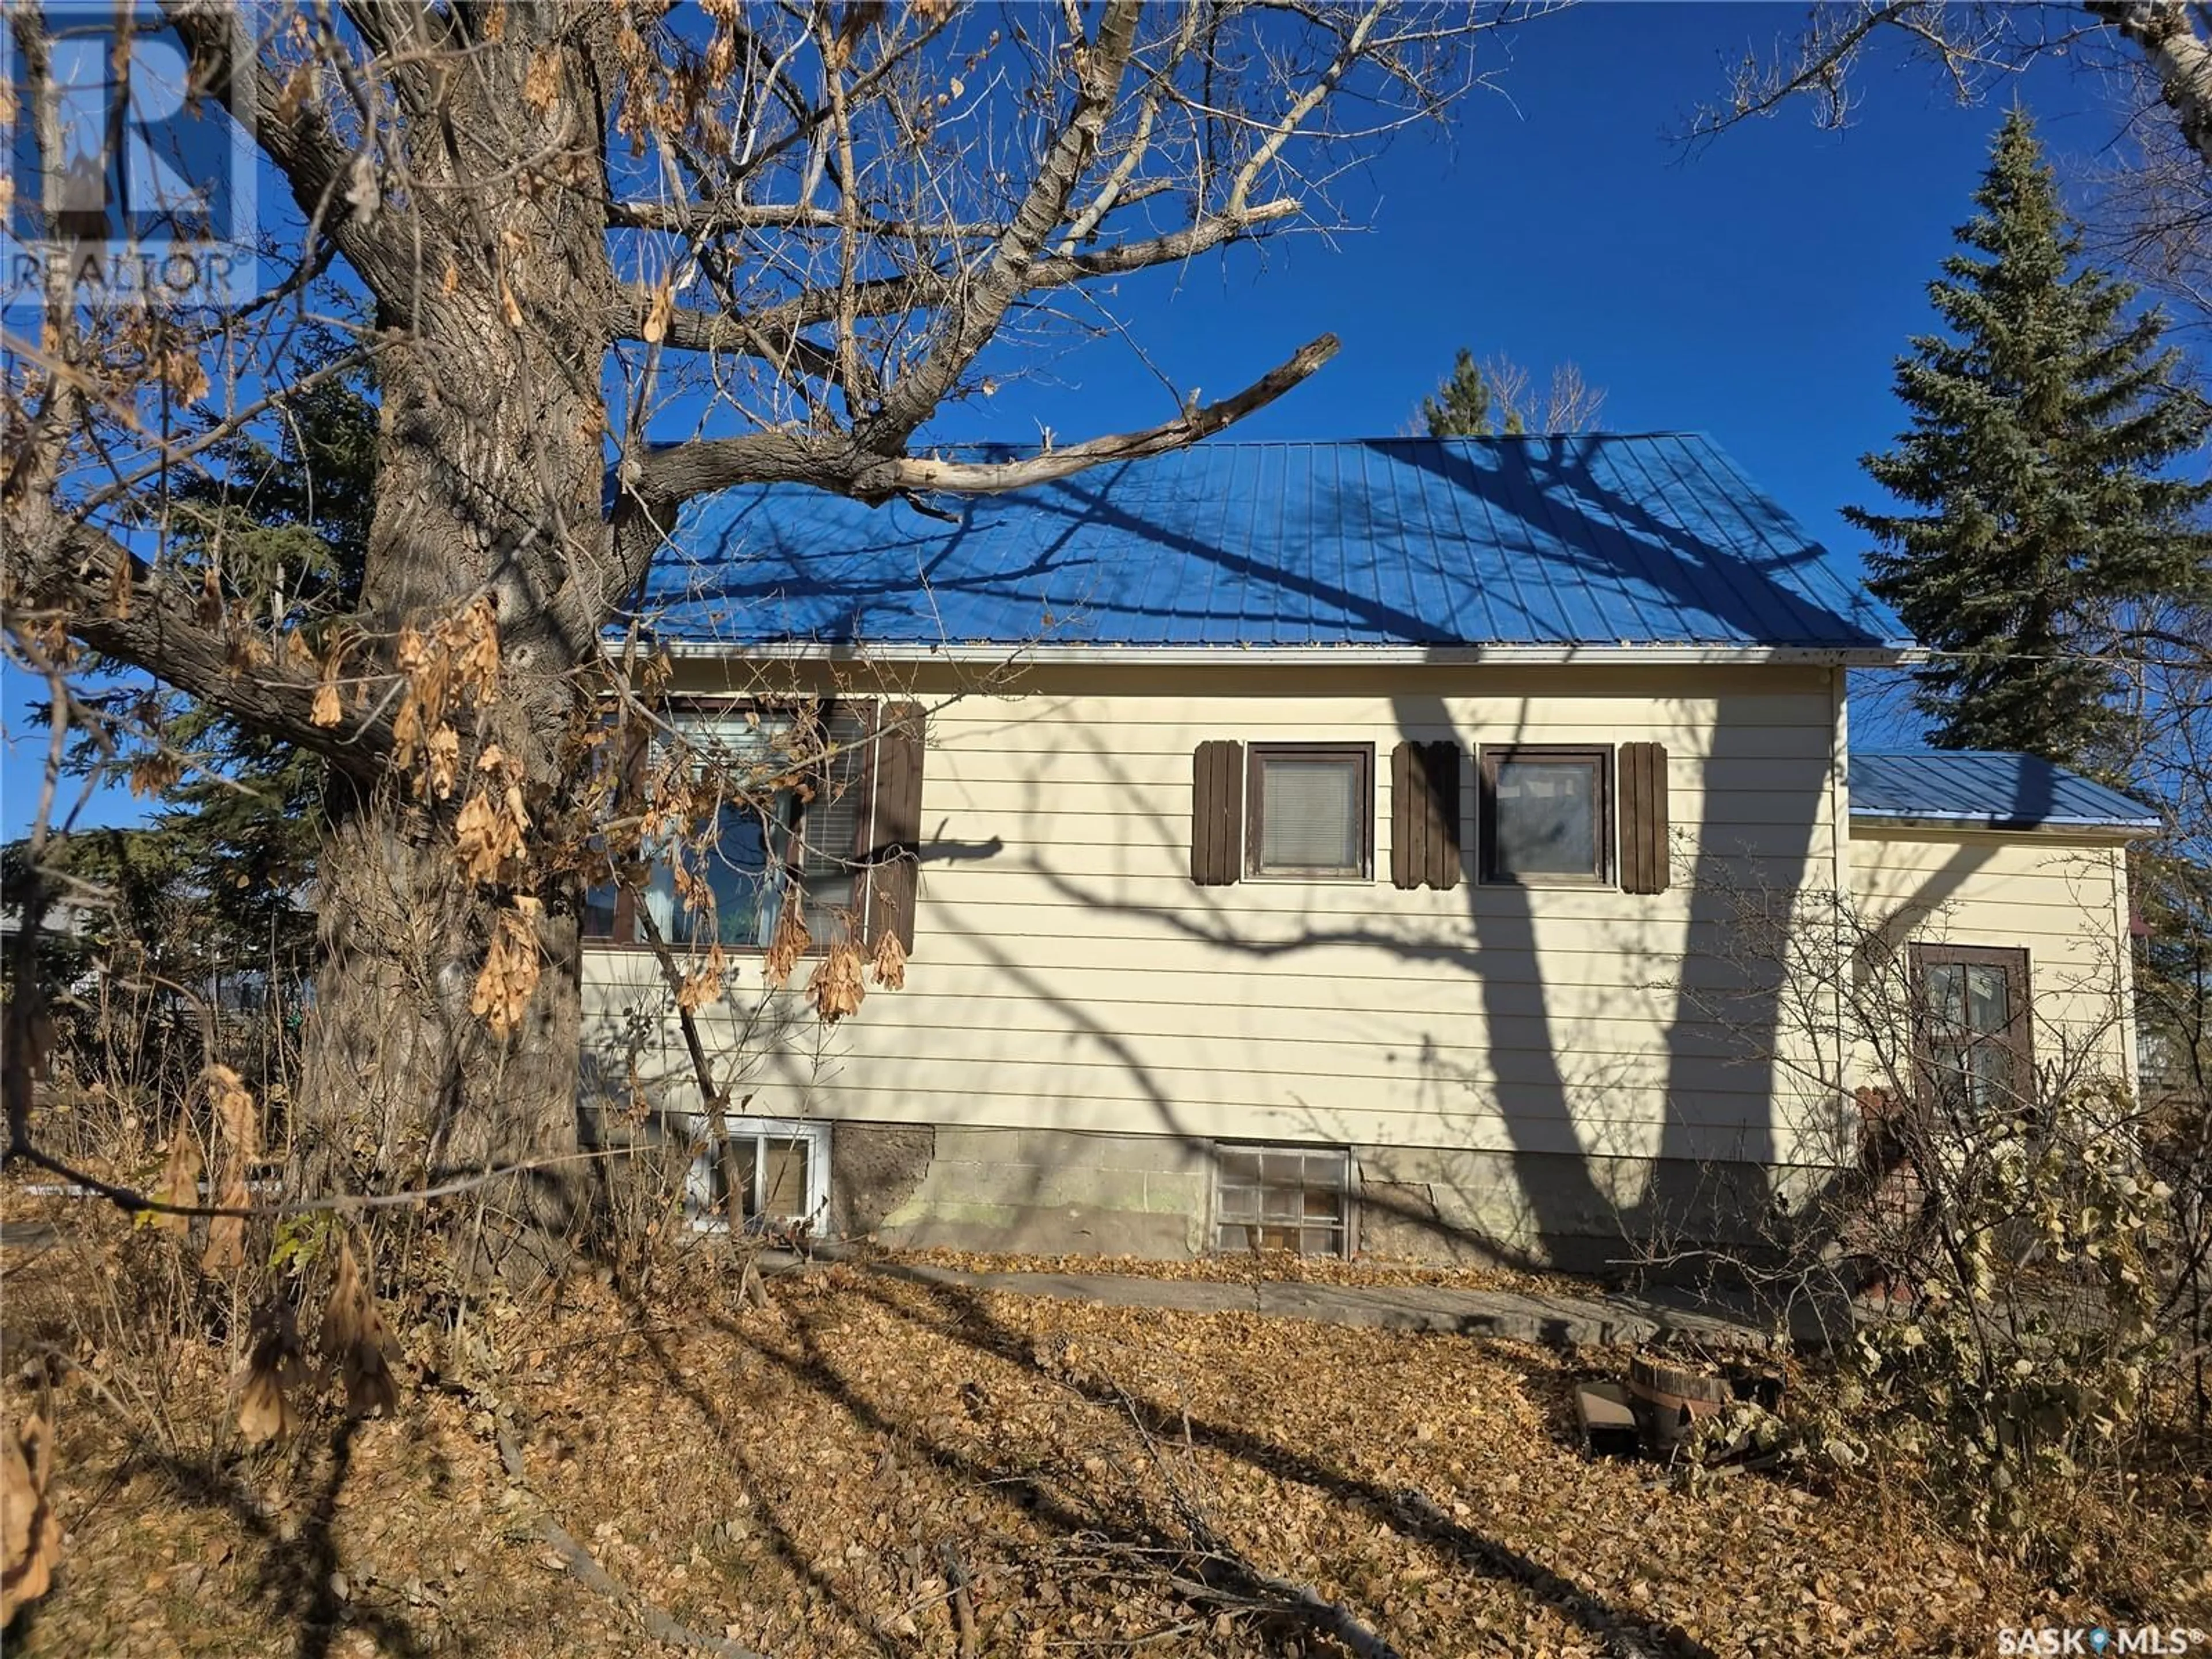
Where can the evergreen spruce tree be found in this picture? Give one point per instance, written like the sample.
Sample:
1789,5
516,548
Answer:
2044,426
1465,406
218,872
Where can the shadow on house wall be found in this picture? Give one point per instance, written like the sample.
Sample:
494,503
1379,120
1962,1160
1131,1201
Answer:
1566,1171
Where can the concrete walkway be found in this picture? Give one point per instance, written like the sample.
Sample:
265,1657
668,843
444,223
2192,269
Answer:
1604,1321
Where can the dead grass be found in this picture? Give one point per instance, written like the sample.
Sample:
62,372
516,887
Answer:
800,1479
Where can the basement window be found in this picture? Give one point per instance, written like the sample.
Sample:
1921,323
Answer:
1283,1197
770,1171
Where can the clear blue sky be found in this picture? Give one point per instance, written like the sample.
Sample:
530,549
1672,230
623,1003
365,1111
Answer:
1757,290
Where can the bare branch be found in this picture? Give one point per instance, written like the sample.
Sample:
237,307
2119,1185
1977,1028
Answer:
671,475
1007,276
68,569
2167,31
965,479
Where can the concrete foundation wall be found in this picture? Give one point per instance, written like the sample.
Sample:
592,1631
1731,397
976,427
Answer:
1046,1192
1592,1215
1054,1192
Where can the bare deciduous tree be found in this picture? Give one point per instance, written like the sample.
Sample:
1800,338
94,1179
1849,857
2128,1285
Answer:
611,258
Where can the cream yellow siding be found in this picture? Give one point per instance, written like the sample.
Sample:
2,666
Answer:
2061,900
1066,974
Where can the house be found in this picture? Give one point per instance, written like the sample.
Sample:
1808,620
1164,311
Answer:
1343,846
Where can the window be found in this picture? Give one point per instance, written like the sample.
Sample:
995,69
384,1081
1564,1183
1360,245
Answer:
1283,1197
1973,1041
815,834
777,1168
798,839
1545,816
1312,810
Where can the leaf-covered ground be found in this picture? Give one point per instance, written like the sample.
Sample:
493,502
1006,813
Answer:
808,1479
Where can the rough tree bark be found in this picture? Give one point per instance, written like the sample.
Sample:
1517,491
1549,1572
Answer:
489,483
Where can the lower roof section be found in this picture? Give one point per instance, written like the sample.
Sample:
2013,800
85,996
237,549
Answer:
1989,789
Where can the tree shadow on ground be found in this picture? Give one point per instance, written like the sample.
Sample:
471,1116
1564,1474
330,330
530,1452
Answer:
297,1575
960,1315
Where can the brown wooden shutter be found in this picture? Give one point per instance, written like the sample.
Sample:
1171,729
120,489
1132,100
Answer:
1216,813
1425,844
1642,793
887,838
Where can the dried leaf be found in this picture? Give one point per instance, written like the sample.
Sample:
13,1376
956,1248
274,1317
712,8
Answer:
180,368
857,19
407,728
357,1341
509,975
889,964
704,984
543,81
472,638
180,1181
30,1532
837,989
299,87
265,1411
444,760
788,943
225,1241
277,1366
490,828
235,1111
657,314
154,773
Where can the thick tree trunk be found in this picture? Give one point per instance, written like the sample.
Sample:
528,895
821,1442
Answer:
405,1086
489,484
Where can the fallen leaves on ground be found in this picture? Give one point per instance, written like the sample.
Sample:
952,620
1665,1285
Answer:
813,1478
1271,1266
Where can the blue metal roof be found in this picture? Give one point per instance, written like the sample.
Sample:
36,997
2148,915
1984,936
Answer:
1534,541
1987,789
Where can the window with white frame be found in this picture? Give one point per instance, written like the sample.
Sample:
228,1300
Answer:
768,1171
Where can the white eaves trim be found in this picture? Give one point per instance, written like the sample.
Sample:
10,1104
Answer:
1313,656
